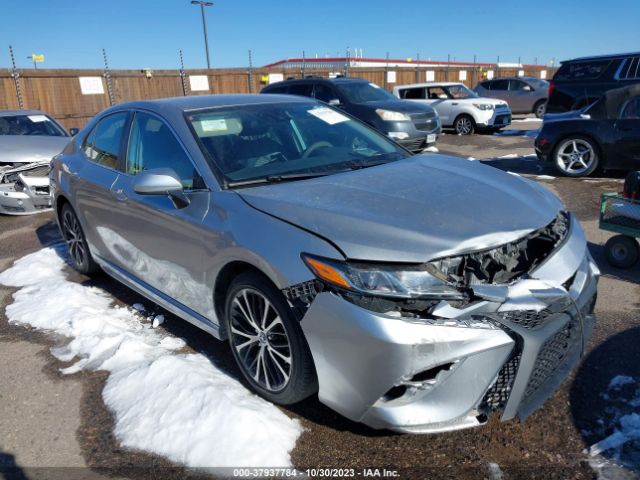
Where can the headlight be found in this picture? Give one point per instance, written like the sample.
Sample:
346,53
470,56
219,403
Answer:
483,106
391,116
381,280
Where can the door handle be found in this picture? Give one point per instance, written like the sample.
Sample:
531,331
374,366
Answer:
120,195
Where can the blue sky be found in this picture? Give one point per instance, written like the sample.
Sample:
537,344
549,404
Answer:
149,33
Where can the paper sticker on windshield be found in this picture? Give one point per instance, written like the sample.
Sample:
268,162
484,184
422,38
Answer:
327,115
218,125
37,118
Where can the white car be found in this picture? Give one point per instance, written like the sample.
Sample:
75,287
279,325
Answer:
458,107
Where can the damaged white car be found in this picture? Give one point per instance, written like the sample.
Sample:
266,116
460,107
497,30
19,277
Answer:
29,139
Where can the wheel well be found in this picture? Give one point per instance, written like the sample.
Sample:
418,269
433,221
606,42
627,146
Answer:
538,102
464,115
225,277
61,201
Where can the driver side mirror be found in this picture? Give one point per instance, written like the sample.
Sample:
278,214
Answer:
74,131
443,96
161,181
334,102
527,88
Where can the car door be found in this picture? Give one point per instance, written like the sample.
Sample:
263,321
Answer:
157,241
438,98
628,134
92,173
520,96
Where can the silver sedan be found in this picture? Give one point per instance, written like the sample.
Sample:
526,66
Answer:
416,293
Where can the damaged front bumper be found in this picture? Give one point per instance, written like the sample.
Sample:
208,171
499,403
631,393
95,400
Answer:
508,350
24,190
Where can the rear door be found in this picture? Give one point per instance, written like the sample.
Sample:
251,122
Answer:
628,131
519,97
438,98
155,241
500,89
92,175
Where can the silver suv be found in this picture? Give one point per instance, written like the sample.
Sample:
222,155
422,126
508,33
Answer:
416,293
523,94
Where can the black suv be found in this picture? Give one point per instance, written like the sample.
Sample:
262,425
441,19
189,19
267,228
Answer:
413,126
581,81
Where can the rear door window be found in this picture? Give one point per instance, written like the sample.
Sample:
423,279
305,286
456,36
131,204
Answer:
587,70
324,93
487,85
102,145
413,93
302,89
500,85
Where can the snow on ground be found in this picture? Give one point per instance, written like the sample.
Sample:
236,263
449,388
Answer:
174,404
545,177
431,149
620,427
528,119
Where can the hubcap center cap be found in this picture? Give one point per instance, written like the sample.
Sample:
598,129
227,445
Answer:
262,339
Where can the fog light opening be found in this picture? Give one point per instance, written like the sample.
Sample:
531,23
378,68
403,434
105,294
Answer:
432,373
394,393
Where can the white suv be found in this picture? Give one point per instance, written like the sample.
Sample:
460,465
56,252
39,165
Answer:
457,106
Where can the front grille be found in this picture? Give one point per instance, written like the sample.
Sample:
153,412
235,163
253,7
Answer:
498,395
421,117
553,354
426,126
529,319
12,209
414,144
503,119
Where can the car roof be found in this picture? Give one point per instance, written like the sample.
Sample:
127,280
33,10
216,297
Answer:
201,102
602,57
323,79
429,84
11,113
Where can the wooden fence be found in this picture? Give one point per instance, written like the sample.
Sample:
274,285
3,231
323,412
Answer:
61,94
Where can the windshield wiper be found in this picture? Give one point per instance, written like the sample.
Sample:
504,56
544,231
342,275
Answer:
285,177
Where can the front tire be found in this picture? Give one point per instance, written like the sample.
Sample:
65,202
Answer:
464,125
576,156
622,251
267,341
77,247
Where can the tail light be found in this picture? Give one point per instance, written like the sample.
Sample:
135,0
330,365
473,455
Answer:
552,87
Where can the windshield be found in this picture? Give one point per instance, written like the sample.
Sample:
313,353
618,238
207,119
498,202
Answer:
460,91
362,92
253,142
30,125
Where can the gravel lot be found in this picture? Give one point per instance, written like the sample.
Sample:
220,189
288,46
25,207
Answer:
51,420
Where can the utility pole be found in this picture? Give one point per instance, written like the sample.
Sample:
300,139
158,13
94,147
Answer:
204,26
183,75
16,78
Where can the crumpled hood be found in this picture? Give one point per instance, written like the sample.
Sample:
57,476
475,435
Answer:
30,148
412,210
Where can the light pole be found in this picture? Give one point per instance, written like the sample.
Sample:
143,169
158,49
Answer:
204,26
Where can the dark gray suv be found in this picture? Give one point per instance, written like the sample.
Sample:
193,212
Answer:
415,127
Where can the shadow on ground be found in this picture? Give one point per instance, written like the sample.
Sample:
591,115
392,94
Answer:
595,408
631,275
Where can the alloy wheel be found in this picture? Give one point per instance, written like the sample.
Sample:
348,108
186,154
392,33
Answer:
74,238
260,340
540,109
464,126
575,156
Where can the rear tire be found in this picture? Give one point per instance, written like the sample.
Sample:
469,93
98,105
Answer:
464,125
77,247
540,108
622,251
269,348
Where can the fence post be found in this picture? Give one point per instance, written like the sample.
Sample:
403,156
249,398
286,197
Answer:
474,76
16,78
183,76
417,67
448,66
386,71
498,67
250,73
107,76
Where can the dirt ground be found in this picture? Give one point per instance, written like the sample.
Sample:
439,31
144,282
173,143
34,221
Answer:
55,426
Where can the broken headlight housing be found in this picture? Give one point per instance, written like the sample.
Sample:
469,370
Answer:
388,281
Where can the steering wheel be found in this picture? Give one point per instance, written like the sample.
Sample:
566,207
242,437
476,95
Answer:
315,146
